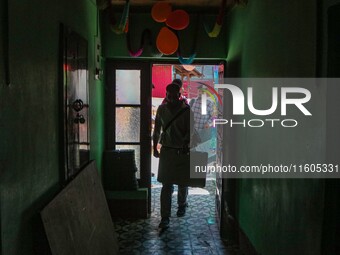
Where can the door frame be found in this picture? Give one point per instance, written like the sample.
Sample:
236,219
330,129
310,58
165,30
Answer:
145,124
146,95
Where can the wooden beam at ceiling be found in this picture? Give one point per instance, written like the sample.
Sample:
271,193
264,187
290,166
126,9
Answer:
173,2
184,3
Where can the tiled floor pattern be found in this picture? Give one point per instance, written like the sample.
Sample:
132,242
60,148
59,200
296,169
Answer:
194,234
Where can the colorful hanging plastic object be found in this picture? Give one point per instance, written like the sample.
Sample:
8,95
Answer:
215,32
218,24
146,36
191,58
178,20
167,41
139,51
122,26
187,61
160,11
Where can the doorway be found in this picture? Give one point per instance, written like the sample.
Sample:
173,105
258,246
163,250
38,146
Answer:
192,77
133,92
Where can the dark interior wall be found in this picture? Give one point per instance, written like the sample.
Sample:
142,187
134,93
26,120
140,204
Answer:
323,12
2,84
115,46
330,66
278,39
29,149
3,18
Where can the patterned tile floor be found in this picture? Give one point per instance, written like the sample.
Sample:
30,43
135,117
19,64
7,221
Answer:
194,234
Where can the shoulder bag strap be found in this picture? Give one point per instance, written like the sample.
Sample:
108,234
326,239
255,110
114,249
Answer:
175,117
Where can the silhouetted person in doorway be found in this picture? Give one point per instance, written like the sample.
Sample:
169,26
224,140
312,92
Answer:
174,140
180,84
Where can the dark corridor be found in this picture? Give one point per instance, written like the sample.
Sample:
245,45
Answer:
257,39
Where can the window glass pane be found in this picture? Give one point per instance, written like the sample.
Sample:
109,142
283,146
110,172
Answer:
137,155
127,124
127,86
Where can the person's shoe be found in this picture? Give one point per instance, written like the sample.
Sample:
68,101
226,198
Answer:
164,223
181,211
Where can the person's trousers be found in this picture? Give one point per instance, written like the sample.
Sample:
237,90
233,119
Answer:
166,195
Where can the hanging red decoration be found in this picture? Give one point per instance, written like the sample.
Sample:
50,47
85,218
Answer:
160,11
178,20
167,41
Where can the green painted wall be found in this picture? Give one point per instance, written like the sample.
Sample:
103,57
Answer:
266,36
278,39
29,136
115,45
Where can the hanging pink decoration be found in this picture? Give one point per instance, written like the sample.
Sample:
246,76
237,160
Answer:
146,41
178,20
167,41
160,11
